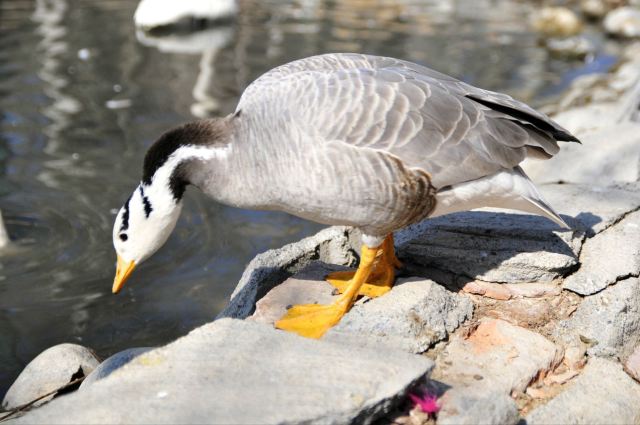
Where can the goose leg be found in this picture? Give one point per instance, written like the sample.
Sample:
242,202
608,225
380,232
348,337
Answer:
313,320
382,275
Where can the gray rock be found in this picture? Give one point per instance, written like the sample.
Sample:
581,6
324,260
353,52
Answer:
233,371
607,257
413,316
492,246
592,208
609,321
470,406
602,394
112,364
496,356
335,245
305,287
50,370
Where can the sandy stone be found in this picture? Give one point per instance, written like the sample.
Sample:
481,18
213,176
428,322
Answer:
508,357
602,394
607,257
235,371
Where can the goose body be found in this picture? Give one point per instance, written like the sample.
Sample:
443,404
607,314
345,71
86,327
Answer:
350,139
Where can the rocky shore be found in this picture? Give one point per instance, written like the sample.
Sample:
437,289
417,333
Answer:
501,317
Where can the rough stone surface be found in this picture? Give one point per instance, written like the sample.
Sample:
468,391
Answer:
470,406
607,257
507,291
492,246
305,287
602,394
50,370
112,364
233,371
335,245
497,356
592,207
609,321
632,365
415,314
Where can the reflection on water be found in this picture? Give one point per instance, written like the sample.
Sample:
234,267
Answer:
82,96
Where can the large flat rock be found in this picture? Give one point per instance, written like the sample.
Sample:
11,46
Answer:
608,321
233,371
492,246
415,314
607,257
602,394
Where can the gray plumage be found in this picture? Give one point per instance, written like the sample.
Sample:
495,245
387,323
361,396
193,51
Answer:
377,143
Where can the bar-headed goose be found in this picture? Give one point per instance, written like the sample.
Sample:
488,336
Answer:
349,139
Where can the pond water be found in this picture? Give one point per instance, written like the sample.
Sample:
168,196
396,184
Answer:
82,96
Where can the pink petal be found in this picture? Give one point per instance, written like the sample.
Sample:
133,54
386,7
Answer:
427,402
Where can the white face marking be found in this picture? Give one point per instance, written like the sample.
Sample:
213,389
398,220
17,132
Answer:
140,230
147,219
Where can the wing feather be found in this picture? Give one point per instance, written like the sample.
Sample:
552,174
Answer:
429,120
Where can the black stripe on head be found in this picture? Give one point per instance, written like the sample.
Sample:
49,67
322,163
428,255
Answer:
146,203
208,132
125,216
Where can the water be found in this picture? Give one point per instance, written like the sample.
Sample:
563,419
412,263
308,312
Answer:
82,97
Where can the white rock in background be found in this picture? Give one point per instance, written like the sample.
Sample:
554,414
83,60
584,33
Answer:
594,8
623,22
157,13
4,236
570,47
556,22
50,370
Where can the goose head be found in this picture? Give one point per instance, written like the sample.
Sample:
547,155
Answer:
147,218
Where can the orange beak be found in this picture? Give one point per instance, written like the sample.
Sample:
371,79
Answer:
123,270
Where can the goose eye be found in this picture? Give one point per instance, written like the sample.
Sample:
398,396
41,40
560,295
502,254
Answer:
123,237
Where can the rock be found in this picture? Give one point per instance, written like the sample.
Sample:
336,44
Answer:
608,257
593,8
575,47
50,370
608,321
602,394
632,365
112,364
623,22
593,207
506,357
471,406
507,291
235,371
414,315
492,246
557,22
335,245
305,287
